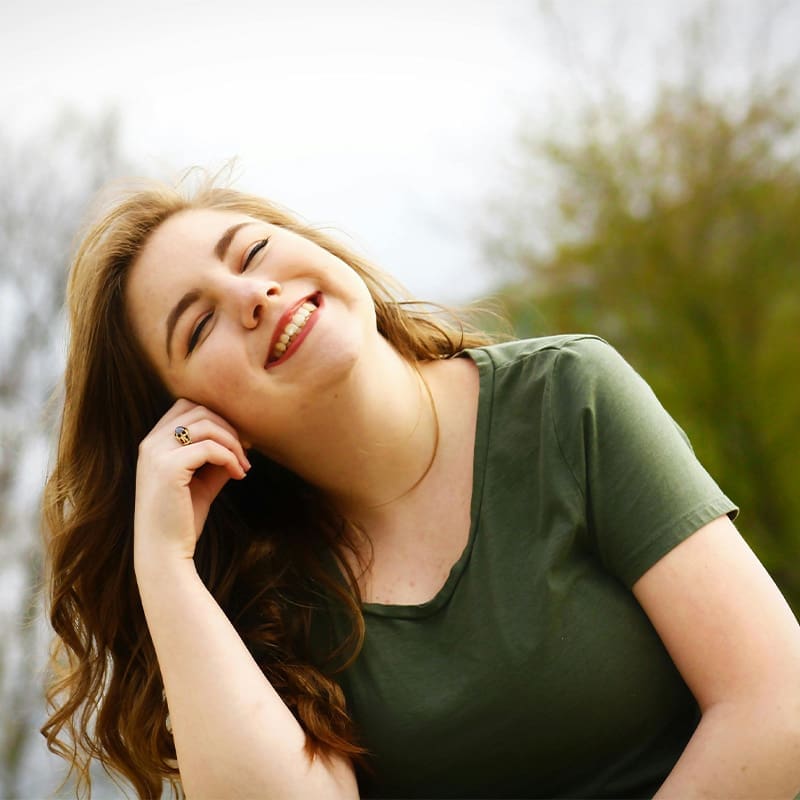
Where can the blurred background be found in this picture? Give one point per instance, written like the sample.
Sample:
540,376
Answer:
624,168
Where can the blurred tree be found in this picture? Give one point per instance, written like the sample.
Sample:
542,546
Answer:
675,234
45,186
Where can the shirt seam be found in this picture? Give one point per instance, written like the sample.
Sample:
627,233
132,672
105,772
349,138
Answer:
561,452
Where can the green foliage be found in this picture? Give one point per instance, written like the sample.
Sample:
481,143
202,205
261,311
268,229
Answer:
677,238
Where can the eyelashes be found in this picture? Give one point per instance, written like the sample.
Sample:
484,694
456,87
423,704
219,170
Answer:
195,337
254,250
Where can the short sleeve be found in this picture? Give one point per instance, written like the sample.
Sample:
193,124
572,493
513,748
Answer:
644,489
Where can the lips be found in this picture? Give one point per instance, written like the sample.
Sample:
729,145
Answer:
292,327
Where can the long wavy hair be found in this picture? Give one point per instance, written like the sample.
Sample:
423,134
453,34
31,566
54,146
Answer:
269,575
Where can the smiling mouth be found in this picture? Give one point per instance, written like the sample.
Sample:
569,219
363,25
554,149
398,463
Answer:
290,333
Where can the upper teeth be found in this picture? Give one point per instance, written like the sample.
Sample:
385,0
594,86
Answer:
293,327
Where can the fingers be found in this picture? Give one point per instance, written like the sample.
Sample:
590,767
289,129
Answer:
201,425
207,430
177,481
208,451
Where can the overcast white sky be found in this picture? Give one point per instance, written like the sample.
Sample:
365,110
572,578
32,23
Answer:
389,120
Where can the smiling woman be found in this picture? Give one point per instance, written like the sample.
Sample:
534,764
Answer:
153,318
265,318
307,540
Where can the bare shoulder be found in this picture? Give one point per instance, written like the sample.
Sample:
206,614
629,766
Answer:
457,377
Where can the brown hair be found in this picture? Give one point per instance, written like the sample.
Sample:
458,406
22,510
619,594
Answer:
105,688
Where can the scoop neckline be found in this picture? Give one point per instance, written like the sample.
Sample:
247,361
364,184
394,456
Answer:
483,362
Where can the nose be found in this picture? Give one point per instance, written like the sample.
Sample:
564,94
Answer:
253,300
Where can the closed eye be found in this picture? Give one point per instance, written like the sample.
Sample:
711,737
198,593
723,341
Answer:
195,337
253,251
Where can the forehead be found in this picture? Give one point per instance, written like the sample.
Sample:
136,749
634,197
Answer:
178,248
195,231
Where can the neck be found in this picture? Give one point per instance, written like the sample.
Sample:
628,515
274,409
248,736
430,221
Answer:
371,442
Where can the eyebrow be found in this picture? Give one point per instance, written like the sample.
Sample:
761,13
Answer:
220,251
221,247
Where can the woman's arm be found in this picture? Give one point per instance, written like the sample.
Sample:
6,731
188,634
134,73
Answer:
234,736
737,645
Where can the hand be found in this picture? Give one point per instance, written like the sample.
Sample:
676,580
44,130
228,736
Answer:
176,483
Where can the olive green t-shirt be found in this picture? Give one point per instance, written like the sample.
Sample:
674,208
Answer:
534,672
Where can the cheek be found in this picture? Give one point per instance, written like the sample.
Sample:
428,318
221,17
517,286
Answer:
218,382
228,400
227,382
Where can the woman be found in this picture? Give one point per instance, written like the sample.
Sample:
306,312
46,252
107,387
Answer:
306,541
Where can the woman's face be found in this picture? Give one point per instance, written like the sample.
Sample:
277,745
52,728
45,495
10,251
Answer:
247,318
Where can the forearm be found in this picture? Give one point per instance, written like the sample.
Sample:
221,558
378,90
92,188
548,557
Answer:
234,736
749,750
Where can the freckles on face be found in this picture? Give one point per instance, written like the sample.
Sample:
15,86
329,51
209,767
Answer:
238,299
175,290
221,374
214,385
